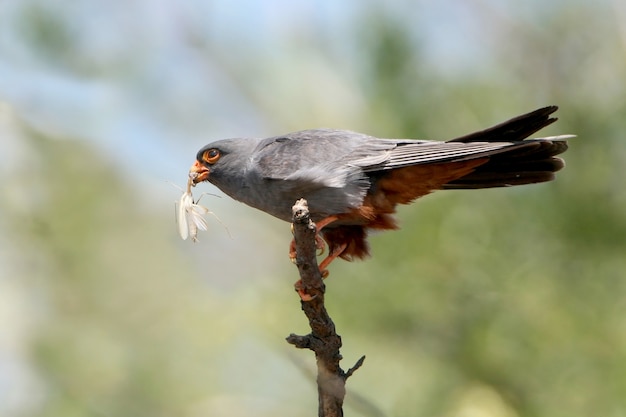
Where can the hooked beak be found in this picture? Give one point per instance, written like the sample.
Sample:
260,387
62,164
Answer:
198,173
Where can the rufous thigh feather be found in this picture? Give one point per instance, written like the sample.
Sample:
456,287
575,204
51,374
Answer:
399,186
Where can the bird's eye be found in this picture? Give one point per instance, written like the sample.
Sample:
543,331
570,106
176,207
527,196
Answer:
211,156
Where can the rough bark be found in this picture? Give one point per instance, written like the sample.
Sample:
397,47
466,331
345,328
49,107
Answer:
323,339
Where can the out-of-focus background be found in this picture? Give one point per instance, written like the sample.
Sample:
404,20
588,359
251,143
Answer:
495,303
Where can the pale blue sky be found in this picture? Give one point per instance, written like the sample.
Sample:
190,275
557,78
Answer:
138,82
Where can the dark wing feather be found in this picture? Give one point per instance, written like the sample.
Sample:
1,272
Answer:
512,159
515,129
406,154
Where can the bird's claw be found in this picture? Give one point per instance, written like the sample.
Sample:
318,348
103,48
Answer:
304,296
320,245
292,250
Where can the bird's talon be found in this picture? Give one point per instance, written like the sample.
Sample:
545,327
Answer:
292,249
304,296
320,244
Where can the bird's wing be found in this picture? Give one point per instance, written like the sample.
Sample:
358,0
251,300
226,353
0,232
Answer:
321,157
314,164
328,157
509,136
407,153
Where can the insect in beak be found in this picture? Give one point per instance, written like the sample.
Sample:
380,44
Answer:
190,214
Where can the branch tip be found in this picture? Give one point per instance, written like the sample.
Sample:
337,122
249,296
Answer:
356,366
300,211
301,342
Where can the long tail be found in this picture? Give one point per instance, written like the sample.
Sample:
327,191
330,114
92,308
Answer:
533,161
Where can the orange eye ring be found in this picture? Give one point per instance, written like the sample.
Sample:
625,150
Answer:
211,156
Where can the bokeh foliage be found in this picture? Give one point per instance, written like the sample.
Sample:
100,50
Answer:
496,302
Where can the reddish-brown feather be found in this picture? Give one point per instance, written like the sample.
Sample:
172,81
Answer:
398,186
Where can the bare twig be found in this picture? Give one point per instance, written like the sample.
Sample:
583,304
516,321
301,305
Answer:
323,339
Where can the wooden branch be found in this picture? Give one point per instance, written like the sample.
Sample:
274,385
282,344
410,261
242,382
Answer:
323,339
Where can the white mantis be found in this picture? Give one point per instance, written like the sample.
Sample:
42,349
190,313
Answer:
190,215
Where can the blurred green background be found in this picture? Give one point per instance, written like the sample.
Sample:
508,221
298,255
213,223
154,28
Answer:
494,303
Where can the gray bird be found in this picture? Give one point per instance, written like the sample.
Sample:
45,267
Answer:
353,182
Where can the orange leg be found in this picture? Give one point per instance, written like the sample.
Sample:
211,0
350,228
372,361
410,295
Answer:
331,257
319,241
325,222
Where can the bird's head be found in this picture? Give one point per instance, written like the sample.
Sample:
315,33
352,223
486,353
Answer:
219,160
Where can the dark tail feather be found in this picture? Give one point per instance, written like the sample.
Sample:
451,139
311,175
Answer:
529,162
517,166
518,128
